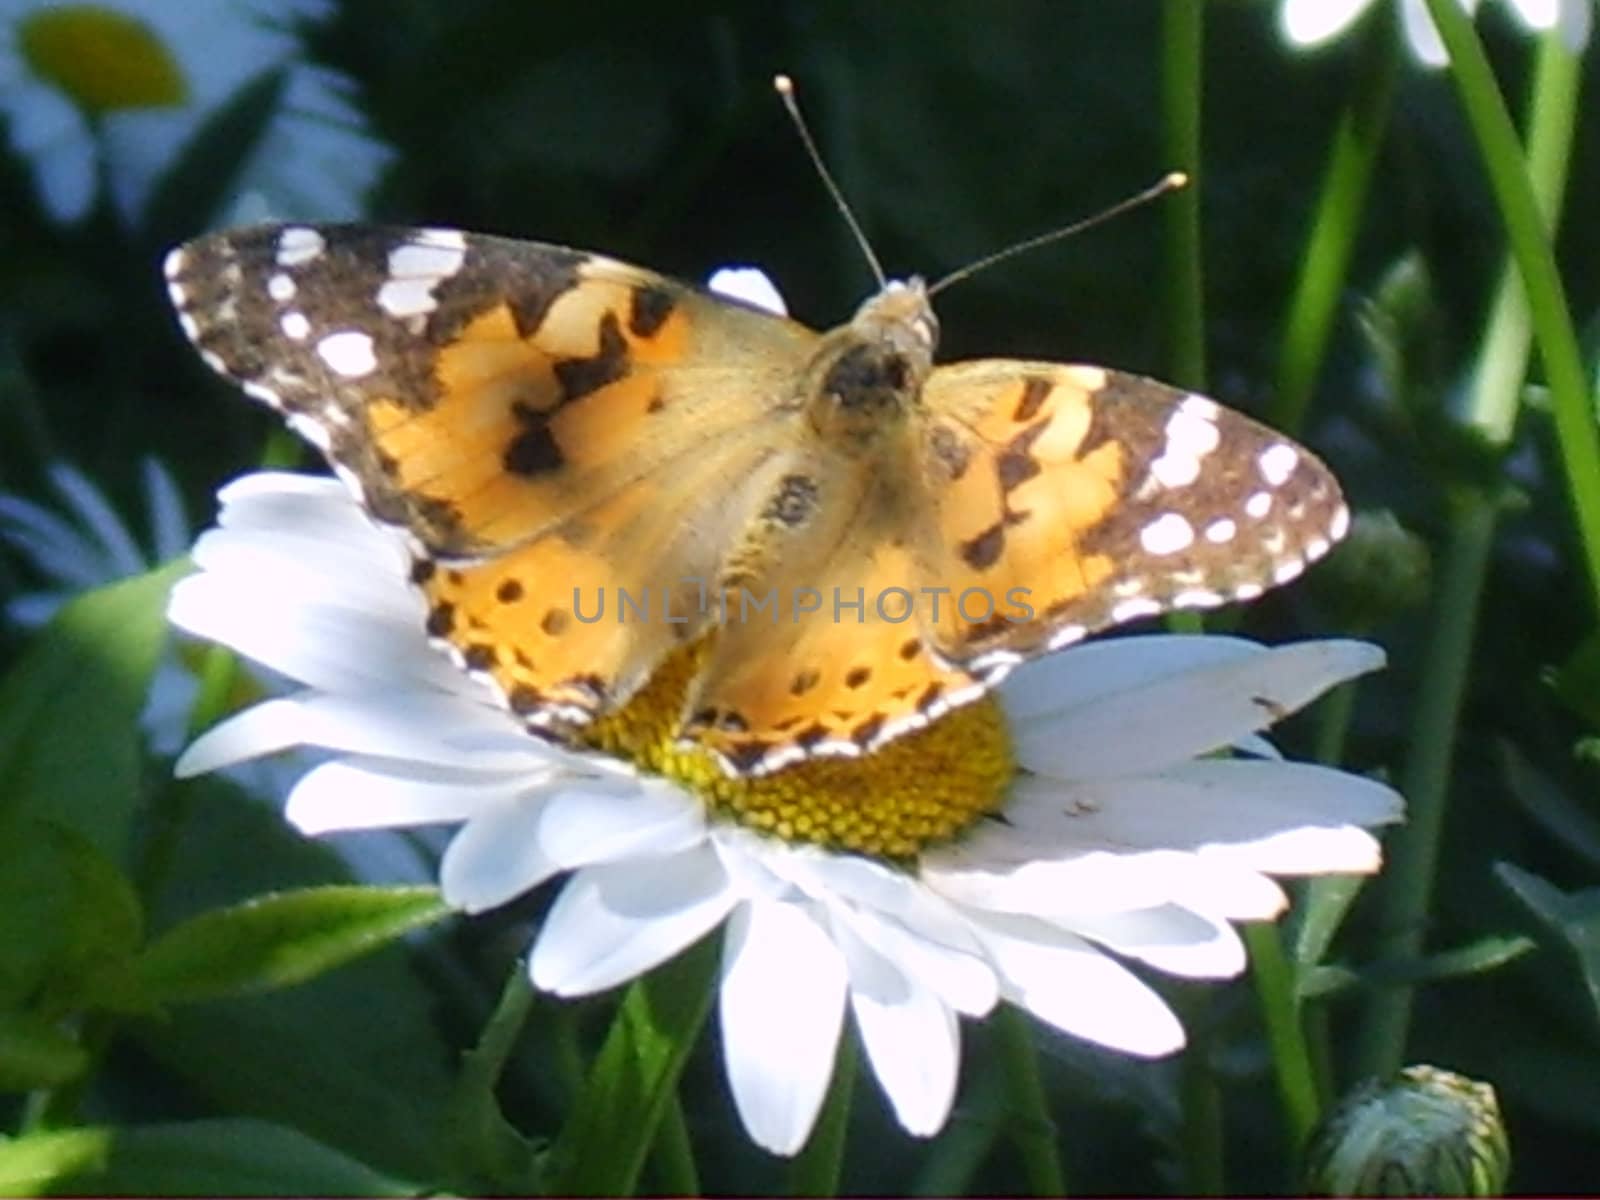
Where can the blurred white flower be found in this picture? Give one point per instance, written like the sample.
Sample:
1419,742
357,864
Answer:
117,89
1308,23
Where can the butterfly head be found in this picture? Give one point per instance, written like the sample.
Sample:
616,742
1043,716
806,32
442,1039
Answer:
869,373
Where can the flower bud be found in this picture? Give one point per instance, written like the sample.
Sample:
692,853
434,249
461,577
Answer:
1426,1132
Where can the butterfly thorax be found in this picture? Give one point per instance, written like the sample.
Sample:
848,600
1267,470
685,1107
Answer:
866,376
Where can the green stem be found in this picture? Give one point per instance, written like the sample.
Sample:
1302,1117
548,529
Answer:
1503,359
1334,715
481,1143
1201,1105
817,1169
631,1083
1408,886
957,1155
672,1162
1334,226
1413,851
1028,1120
1531,248
1293,1071
1182,40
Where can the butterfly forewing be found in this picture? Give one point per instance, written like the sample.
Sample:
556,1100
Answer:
1067,499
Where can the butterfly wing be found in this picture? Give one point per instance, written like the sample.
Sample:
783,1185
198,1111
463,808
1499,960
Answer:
551,427
1061,500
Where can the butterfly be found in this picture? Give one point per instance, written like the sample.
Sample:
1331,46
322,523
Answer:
597,466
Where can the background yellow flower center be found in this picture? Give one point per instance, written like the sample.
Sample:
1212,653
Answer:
103,59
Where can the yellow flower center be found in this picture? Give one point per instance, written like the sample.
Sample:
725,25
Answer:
103,59
922,788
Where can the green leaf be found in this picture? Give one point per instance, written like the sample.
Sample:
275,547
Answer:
69,710
355,1058
1476,958
1320,911
70,922
196,1158
602,1148
1568,920
36,1054
279,940
1564,817
40,1163
194,189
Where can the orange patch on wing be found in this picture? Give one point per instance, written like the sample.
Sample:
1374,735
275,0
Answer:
549,622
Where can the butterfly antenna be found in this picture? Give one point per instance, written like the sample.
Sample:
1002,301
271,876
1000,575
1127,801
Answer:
1168,183
785,89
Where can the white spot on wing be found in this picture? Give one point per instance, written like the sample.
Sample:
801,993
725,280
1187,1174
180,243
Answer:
281,288
1191,434
1277,462
1221,531
1197,598
1317,547
1066,635
172,265
1259,505
1129,610
425,260
1288,569
1167,534
407,297
297,245
348,353
294,325
1340,524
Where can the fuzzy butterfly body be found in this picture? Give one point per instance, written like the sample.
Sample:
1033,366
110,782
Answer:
597,465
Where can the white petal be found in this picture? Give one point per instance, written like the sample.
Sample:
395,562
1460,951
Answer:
911,1038
782,1006
1067,983
961,978
1227,891
496,857
336,650
371,793
993,870
751,285
1422,34
1173,939
1538,15
614,824
1155,724
1311,22
1075,678
611,923
1576,21
418,727
1280,817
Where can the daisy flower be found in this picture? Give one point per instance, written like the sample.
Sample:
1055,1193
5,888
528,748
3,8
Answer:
117,90
1308,23
1111,810
87,544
